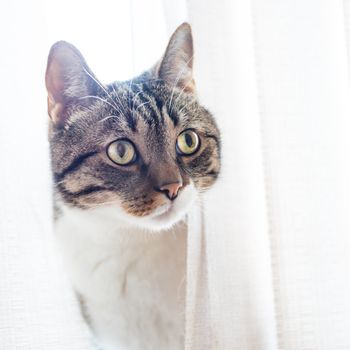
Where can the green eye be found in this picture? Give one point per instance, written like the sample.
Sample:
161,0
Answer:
121,152
187,142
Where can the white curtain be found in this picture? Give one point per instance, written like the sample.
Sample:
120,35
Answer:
274,261
37,307
268,258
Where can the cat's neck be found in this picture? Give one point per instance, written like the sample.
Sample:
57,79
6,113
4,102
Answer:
94,224
101,227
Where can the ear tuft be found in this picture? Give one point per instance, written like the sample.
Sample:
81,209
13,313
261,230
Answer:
68,79
176,64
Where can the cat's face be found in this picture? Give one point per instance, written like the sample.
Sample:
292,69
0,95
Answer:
143,148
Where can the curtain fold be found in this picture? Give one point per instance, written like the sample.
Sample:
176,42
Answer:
276,227
241,307
37,307
304,97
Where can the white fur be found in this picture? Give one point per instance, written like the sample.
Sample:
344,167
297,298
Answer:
130,272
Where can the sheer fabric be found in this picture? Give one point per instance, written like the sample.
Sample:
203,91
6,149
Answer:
276,228
37,307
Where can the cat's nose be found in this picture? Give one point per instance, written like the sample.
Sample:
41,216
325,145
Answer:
171,189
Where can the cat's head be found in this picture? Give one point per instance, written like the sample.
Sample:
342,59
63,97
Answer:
144,148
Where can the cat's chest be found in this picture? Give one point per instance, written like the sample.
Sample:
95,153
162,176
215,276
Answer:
102,256
131,281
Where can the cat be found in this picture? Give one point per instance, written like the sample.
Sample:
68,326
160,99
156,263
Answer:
129,160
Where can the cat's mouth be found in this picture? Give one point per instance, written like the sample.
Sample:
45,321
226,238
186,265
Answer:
170,212
162,210
167,213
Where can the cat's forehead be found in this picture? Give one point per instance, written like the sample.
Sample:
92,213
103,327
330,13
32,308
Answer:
142,95
144,108
142,128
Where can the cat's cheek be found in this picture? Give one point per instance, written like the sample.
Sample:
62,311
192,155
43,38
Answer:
204,183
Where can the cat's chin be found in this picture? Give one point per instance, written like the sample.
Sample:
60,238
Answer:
166,216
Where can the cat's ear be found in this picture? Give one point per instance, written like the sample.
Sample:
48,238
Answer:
68,81
176,64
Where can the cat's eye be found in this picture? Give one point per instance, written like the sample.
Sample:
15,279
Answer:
187,143
121,152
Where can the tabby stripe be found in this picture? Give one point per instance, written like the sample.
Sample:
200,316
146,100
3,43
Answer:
131,120
76,163
129,116
158,117
145,100
203,159
215,138
159,103
89,190
212,173
85,191
173,116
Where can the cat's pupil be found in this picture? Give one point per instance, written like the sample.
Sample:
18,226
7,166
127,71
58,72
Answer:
189,140
121,149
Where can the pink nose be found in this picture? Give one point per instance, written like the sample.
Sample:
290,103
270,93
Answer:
171,190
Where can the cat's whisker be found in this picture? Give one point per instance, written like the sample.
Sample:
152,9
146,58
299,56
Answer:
101,99
136,95
101,86
120,107
141,105
181,110
151,100
113,104
106,118
116,94
133,102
